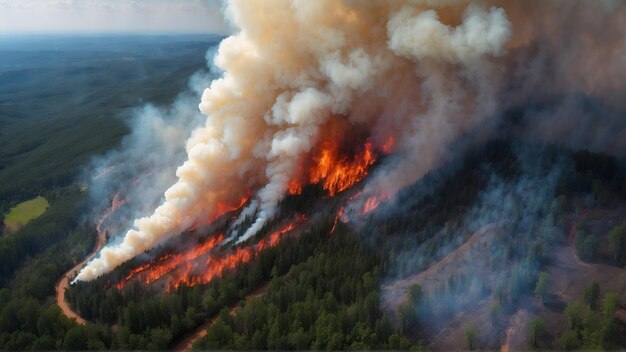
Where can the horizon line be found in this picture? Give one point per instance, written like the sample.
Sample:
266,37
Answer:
109,33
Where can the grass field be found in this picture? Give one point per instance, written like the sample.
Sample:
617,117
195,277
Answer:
23,213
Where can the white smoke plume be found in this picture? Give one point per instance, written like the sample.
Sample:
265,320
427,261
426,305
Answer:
153,147
422,72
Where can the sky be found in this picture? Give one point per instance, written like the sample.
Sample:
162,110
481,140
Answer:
111,16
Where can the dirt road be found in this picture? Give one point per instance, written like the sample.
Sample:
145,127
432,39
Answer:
186,343
64,282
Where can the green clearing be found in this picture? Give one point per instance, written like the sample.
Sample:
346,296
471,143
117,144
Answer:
24,212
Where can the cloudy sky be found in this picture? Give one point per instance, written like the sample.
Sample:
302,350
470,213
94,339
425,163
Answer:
164,16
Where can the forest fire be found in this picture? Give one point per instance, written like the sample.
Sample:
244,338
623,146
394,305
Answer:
339,215
336,165
294,187
223,208
373,202
346,212
329,167
215,266
337,173
165,264
189,268
370,204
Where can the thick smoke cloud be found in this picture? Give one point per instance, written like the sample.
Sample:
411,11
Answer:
425,73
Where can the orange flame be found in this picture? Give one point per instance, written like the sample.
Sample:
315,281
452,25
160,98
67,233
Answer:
158,268
294,187
373,202
334,171
339,173
223,208
188,269
339,215
216,266
176,260
370,204
274,238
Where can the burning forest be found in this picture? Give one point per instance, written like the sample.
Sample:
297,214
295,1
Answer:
330,169
438,140
203,263
318,97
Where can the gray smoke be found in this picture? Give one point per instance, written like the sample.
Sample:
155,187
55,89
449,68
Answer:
494,250
144,165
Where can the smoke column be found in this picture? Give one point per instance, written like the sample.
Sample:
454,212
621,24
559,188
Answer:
425,73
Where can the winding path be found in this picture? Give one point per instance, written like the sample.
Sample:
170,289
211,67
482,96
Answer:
187,341
63,284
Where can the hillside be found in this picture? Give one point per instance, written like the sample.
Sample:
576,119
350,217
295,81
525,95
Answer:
459,268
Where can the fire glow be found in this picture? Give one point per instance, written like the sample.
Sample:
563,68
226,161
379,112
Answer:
199,265
337,218
336,173
329,167
165,264
425,73
222,209
373,202
370,204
